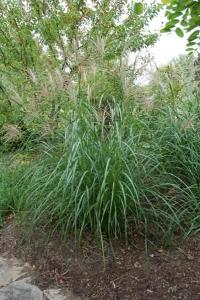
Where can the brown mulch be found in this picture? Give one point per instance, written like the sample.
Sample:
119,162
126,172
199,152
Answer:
128,272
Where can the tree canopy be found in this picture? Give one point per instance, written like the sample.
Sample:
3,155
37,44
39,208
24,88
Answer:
62,30
46,44
184,16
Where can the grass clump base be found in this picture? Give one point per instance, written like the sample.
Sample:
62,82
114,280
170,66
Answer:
139,173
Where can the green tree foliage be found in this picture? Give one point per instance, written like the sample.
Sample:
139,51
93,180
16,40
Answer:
65,30
183,16
48,50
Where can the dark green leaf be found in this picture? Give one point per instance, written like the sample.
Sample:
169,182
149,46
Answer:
184,23
165,30
191,27
194,35
175,15
190,44
172,23
179,32
189,49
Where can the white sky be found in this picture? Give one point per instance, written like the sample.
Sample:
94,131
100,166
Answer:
169,45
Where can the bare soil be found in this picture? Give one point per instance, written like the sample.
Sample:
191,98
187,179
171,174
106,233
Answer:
127,272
